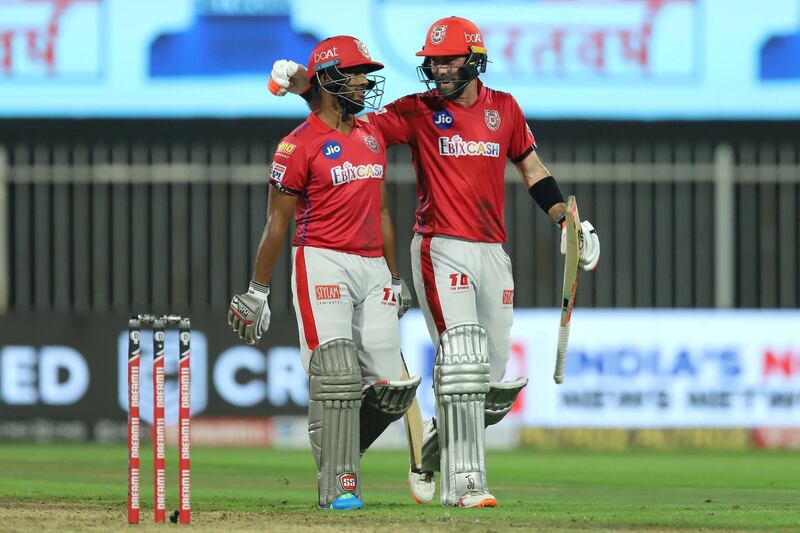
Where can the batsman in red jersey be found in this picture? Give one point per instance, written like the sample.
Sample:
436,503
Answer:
329,174
461,133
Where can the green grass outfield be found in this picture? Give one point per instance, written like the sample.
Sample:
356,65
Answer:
84,487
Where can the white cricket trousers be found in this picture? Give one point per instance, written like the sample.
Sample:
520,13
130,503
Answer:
466,282
341,295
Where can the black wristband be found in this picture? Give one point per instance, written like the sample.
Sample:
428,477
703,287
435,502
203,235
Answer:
285,190
546,193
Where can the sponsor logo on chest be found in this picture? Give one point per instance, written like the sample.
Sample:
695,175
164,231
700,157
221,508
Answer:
443,119
455,146
332,150
347,172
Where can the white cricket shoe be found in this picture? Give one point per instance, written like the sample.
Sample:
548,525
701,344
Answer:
422,485
475,500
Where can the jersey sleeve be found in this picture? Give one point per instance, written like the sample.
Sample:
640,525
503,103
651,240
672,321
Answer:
289,169
395,121
522,140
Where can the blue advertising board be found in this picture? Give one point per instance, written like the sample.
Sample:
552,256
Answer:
588,59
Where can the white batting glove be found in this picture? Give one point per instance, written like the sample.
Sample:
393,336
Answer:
248,314
287,77
590,245
402,295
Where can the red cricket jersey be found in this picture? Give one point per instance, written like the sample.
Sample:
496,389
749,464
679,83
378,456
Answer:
459,154
338,180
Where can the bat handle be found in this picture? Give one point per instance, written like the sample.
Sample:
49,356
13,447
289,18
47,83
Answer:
561,353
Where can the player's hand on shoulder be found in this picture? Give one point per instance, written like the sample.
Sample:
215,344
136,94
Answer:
248,313
590,245
288,76
402,295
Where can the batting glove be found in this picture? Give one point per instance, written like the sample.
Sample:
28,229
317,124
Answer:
589,245
402,295
248,314
287,77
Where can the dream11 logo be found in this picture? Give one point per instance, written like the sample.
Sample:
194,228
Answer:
198,362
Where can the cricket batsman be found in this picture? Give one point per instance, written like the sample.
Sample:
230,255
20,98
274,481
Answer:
460,133
329,174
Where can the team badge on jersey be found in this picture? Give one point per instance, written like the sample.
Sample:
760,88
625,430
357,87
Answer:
442,119
332,150
438,33
492,119
371,143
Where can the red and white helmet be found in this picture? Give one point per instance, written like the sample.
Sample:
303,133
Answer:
334,57
341,51
452,36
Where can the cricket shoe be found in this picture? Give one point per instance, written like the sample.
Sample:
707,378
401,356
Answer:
422,485
475,500
346,502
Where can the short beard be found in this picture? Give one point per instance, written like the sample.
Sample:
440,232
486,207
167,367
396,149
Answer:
452,95
349,108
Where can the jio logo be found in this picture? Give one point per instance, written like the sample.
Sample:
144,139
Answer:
332,150
442,119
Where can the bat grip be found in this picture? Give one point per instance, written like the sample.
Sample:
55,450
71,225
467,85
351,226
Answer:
561,353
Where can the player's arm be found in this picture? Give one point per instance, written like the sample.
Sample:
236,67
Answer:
280,211
248,313
544,190
399,287
542,186
389,241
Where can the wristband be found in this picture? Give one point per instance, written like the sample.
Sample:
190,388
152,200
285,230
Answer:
546,193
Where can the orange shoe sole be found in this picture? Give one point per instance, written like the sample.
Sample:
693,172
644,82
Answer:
488,502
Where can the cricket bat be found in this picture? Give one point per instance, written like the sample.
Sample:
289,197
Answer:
413,420
570,285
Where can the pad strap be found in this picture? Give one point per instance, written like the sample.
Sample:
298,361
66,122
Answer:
384,402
